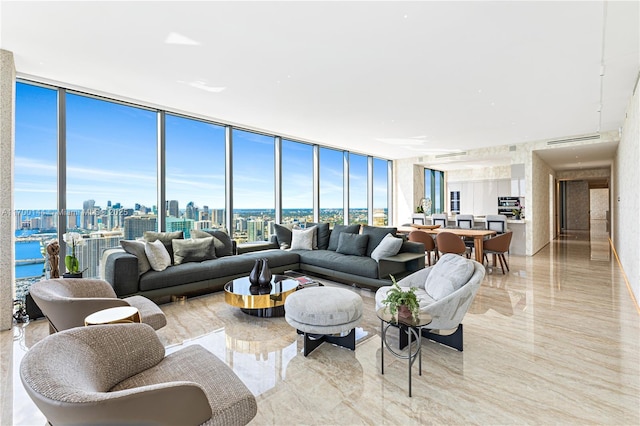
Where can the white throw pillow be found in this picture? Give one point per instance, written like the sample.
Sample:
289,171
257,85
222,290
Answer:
302,239
158,255
389,246
448,275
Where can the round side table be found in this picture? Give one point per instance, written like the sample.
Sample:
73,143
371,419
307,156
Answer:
117,315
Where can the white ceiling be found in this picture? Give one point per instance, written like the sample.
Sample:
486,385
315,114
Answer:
391,79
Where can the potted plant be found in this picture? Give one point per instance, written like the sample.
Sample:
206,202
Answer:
73,239
401,302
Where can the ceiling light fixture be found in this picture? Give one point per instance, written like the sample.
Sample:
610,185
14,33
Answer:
175,38
199,84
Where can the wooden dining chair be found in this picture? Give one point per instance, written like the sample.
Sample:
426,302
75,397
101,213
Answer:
498,246
429,244
451,243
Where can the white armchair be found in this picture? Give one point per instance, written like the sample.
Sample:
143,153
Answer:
445,292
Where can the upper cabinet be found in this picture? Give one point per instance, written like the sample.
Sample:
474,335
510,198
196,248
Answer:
504,187
517,180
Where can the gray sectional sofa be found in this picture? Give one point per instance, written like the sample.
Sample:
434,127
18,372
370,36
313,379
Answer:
121,269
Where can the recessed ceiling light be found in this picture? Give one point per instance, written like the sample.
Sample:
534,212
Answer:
199,84
175,38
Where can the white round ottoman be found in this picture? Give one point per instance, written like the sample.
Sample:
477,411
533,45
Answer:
324,314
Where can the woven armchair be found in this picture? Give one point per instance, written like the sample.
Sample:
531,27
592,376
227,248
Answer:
66,302
118,374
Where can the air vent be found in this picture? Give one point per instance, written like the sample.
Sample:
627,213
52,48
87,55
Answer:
578,139
453,154
512,148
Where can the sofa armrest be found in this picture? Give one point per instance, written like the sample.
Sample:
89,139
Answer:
256,246
121,271
411,247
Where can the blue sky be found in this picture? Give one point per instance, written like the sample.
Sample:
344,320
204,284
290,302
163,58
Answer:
111,155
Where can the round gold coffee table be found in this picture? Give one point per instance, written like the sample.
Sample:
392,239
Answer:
257,300
117,315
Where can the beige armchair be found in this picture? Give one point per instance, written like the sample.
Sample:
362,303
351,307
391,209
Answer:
118,374
66,302
445,292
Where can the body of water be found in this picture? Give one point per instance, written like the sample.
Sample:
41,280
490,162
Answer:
28,250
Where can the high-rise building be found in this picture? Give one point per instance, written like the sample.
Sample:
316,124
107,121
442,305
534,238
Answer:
202,224
191,211
72,220
49,221
205,214
173,208
89,220
217,217
18,220
255,230
135,226
89,253
36,223
180,224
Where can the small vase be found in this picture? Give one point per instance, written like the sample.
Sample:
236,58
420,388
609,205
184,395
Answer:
254,276
404,312
265,274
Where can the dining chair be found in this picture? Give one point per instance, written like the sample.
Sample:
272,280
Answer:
498,246
496,222
418,236
451,243
440,219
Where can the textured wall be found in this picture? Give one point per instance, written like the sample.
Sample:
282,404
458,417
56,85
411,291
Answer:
625,204
7,96
599,203
577,204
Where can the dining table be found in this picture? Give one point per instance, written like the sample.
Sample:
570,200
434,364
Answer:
478,236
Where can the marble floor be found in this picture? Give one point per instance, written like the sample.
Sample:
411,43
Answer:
554,341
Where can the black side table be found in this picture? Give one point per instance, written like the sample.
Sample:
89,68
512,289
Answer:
412,328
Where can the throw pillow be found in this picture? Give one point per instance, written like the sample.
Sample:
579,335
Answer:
283,234
195,250
389,246
323,234
353,244
334,239
197,233
158,255
136,248
220,234
165,237
448,275
376,234
302,239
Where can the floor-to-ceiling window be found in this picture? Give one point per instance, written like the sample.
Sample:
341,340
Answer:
297,182
35,181
111,170
331,186
253,186
195,174
358,212
380,192
434,191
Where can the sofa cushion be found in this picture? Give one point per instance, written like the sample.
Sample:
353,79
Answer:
158,255
353,244
389,246
224,238
284,234
355,265
376,234
323,234
165,237
337,230
198,233
136,248
302,239
448,275
194,250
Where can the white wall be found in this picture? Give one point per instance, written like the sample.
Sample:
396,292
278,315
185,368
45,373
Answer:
625,204
537,207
